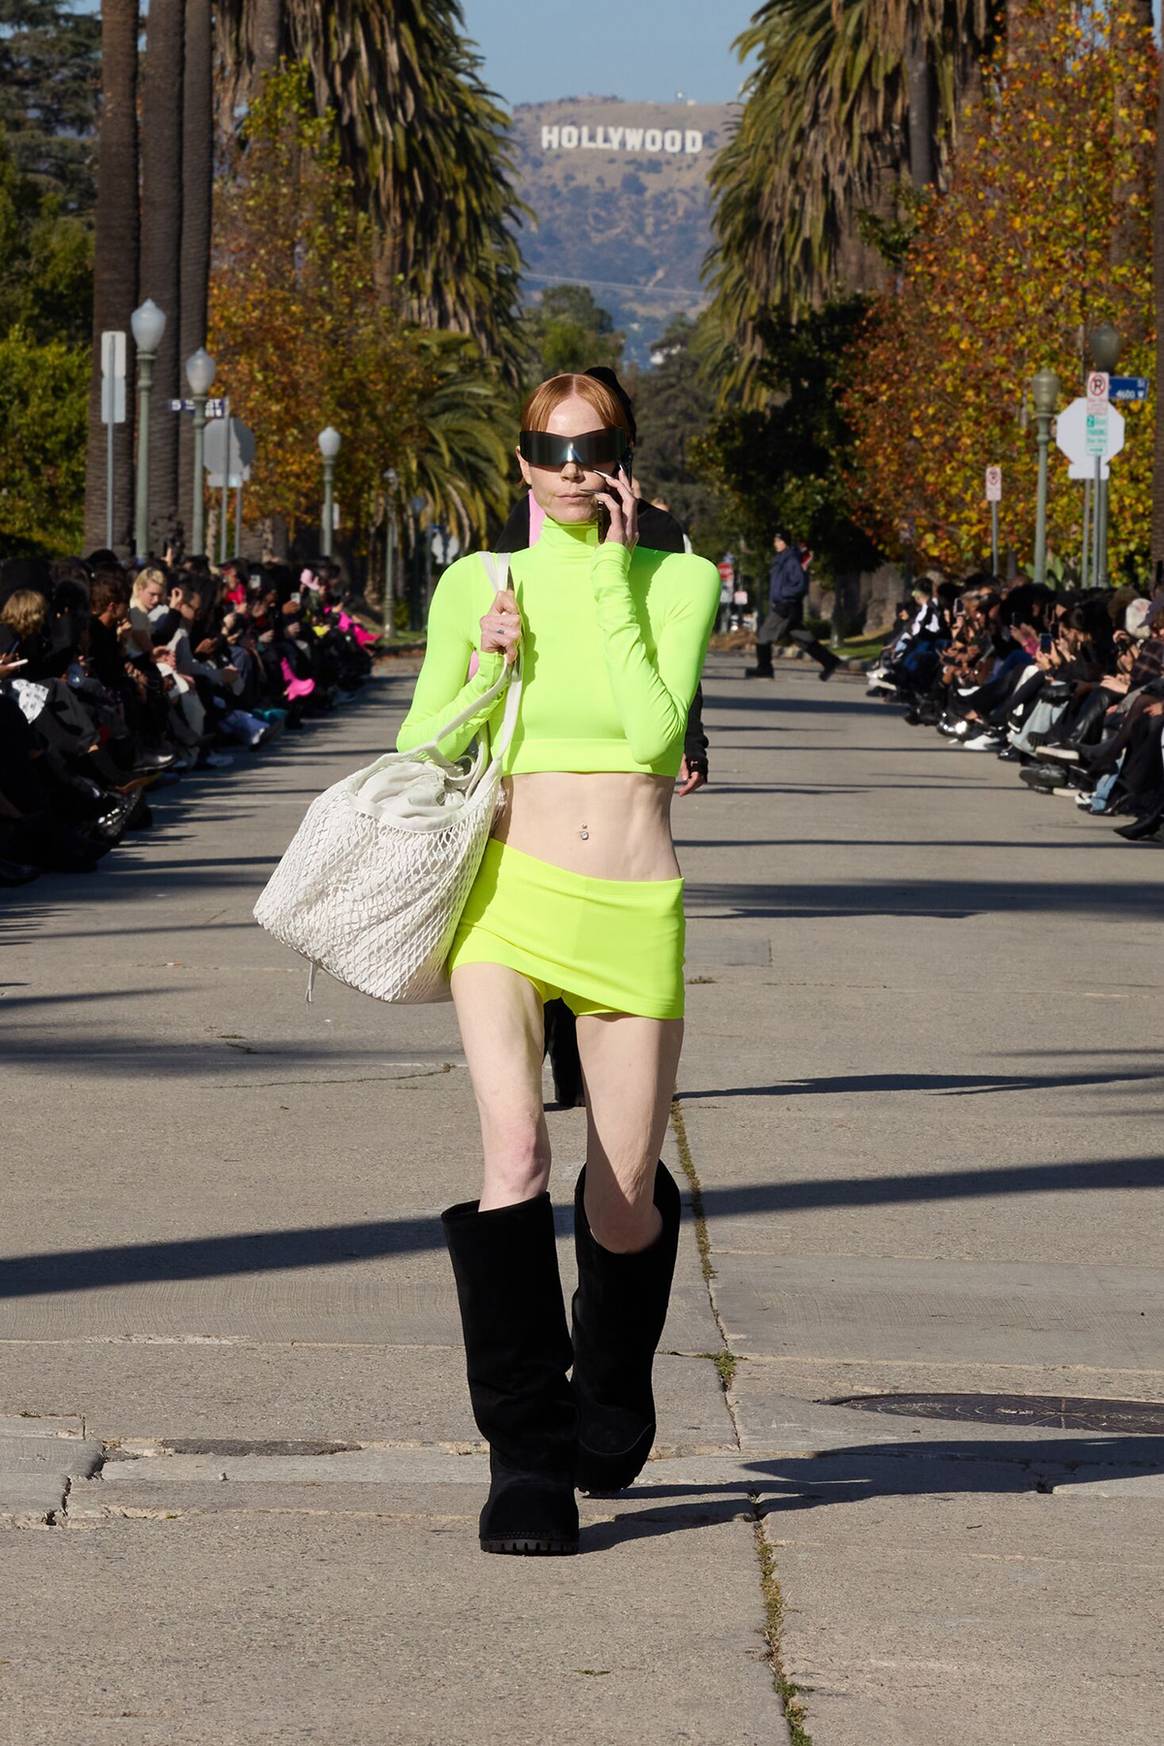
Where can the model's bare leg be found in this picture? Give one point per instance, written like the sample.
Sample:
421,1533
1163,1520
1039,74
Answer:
629,1065
500,1015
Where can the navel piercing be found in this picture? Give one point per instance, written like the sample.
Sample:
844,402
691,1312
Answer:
584,834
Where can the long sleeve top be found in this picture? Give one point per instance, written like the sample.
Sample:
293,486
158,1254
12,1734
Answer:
612,647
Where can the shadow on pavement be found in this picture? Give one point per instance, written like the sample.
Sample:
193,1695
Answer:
856,1474
250,1252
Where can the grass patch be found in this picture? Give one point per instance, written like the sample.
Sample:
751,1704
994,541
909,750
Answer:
687,1164
794,1712
726,1364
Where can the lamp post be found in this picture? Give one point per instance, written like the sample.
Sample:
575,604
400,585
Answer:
329,448
391,481
200,368
1045,394
149,324
1104,344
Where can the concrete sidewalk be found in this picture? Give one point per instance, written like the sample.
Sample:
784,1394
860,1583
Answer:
238,1475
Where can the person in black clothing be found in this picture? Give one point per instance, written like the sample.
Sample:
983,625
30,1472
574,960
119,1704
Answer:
787,587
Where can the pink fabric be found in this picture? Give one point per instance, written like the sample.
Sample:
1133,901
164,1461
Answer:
296,688
537,516
362,636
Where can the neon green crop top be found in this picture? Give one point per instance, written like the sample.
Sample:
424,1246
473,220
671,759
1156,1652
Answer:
612,649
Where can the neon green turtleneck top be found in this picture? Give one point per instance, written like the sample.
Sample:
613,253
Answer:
612,648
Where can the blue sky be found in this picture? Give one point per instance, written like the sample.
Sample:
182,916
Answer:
643,50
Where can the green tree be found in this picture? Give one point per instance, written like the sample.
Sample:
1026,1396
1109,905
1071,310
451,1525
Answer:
43,392
786,463
425,142
49,82
850,99
674,408
46,260
566,330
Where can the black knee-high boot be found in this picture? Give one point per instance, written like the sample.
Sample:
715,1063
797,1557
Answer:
620,1307
517,1352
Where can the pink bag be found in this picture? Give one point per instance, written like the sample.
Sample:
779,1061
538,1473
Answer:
296,688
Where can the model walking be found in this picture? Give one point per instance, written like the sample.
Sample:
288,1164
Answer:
579,896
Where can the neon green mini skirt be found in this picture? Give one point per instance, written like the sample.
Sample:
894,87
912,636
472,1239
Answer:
601,945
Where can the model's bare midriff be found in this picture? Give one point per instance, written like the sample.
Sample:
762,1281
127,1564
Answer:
612,824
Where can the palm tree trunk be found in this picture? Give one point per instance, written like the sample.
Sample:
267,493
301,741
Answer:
923,153
161,227
1158,294
197,178
115,264
269,25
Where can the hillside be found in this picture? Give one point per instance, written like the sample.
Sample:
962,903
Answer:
620,196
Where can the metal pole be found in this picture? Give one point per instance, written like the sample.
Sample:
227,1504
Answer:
198,519
1101,517
390,578
141,519
1043,438
1095,508
994,540
1085,563
238,512
325,531
222,532
110,428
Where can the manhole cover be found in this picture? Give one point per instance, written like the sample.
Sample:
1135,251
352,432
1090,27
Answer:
1061,1412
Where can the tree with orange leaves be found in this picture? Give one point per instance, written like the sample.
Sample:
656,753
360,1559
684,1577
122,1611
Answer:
1044,233
301,332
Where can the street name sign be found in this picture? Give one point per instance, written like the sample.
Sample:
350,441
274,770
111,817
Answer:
214,408
1127,388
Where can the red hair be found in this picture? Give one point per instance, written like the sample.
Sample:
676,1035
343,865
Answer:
535,414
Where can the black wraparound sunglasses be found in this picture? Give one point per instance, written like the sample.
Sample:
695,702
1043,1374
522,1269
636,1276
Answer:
594,448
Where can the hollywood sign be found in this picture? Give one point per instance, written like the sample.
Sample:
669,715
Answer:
622,139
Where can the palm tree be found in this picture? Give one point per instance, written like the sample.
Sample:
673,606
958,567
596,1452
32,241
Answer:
851,101
1158,293
115,264
197,170
425,140
463,471
161,227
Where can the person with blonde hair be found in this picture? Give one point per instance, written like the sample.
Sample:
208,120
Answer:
579,895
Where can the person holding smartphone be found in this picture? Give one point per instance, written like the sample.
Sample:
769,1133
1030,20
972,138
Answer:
579,895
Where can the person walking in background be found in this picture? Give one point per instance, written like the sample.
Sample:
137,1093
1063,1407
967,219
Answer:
787,587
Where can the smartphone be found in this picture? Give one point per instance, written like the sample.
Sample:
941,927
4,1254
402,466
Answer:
601,513
1045,643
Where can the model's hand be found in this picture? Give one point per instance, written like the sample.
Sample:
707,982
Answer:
623,505
692,775
501,627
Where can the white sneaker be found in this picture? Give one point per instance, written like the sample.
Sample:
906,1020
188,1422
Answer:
982,743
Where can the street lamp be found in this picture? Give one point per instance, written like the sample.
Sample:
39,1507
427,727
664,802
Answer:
1045,394
329,448
391,481
200,368
1105,345
149,324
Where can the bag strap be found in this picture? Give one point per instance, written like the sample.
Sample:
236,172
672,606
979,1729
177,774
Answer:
497,569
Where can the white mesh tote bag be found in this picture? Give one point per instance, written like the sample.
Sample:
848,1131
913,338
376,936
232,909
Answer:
375,878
